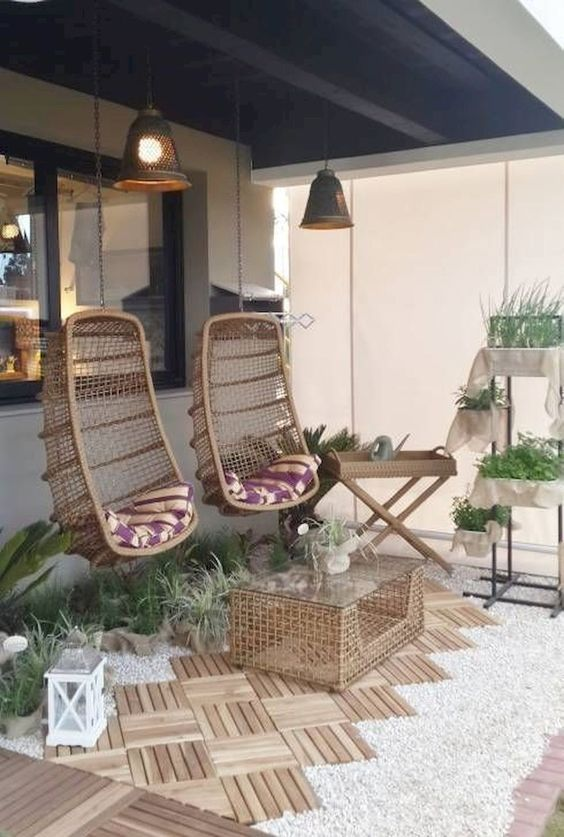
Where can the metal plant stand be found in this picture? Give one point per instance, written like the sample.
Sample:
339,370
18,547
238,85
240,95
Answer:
502,582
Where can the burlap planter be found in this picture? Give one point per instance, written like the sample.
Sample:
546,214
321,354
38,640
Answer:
477,429
526,493
477,544
524,363
17,725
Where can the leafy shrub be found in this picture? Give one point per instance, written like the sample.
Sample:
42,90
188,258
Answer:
25,554
473,519
532,458
483,400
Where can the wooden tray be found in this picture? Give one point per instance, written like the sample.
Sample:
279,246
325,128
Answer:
407,463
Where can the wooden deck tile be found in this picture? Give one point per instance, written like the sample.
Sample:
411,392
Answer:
438,640
110,764
157,816
268,794
268,685
225,720
111,740
166,763
329,744
218,689
403,670
372,704
304,711
465,616
143,698
160,728
201,665
232,756
207,794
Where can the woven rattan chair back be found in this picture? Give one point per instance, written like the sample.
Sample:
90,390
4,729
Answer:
243,413
103,436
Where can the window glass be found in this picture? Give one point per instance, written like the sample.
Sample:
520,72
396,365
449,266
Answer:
134,264
23,278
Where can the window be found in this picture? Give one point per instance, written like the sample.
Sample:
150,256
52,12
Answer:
23,297
49,260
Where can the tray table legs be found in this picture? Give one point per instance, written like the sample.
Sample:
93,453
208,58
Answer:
381,511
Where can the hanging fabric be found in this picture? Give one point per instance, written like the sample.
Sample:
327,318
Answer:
113,477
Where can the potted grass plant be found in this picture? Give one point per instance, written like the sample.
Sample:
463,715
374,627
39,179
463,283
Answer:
524,339
529,473
327,544
477,528
478,420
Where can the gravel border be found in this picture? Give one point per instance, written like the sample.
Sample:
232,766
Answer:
450,771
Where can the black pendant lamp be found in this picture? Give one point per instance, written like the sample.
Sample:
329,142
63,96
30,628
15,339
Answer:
150,160
326,207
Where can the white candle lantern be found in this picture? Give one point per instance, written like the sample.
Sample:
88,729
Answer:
75,698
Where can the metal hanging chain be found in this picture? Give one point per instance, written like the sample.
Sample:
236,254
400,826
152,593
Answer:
238,224
96,40
326,132
150,96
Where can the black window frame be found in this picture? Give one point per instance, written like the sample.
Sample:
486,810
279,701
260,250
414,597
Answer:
49,161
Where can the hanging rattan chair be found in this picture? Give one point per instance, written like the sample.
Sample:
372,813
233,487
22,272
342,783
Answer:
104,440
243,413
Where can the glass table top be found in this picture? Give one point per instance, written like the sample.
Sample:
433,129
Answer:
300,581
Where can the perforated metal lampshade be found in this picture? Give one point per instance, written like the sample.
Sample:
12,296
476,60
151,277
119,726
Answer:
326,207
150,160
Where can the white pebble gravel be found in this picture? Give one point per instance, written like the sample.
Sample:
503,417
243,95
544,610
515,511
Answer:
450,770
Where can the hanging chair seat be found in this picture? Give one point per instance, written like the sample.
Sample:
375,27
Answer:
153,518
283,481
108,459
251,451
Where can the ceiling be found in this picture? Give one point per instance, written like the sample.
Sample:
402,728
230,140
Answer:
394,75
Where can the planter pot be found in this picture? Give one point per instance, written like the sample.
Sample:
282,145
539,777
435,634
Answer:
529,363
337,559
526,493
477,429
201,645
477,544
18,725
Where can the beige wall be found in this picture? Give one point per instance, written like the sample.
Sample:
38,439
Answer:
59,115
397,306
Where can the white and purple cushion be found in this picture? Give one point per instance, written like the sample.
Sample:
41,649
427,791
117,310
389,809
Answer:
152,518
283,481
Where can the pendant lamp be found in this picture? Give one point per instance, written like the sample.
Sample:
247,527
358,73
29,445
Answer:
326,207
150,160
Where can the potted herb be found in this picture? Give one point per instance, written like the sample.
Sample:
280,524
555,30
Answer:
526,474
328,544
477,528
478,421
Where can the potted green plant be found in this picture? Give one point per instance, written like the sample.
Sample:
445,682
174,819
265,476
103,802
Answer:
478,420
526,474
22,686
328,544
477,528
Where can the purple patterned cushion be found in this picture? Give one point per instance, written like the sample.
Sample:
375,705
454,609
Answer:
283,481
153,518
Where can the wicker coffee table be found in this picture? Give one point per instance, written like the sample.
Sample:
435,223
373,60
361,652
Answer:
327,630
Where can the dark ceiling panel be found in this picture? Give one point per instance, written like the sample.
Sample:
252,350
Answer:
396,76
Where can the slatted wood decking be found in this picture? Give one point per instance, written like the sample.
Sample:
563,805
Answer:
235,742
42,799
